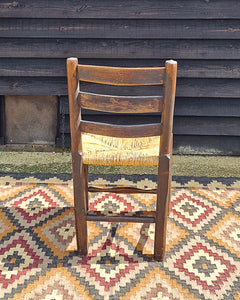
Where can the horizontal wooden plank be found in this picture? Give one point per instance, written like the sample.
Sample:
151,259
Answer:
121,76
192,144
206,126
214,107
133,29
35,67
127,131
182,125
212,145
174,9
209,68
33,86
119,48
116,104
217,88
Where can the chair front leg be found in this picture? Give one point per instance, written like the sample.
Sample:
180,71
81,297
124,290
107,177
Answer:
79,203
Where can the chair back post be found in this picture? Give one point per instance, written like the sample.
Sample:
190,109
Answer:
73,90
168,106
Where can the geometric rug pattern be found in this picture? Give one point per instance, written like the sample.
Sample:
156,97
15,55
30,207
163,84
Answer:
38,258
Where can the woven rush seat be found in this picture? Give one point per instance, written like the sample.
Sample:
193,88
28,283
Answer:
105,150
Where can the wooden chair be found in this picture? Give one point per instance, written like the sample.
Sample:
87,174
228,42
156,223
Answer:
91,141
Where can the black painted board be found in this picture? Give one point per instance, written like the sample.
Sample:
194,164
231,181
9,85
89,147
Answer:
215,145
110,28
52,67
217,88
208,107
198,87
124,9
207,126
119,48
186,68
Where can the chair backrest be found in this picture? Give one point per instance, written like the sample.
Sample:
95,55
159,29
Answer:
165,76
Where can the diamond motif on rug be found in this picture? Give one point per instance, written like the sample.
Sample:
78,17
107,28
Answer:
227,233
65,191
39,258
142,236
206,268
221,196
110,202
192,211
33,206
58,233
9,191
108,269
56,284
38,197
30,217
156,284
20,258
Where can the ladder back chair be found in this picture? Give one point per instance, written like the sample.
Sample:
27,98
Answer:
108,144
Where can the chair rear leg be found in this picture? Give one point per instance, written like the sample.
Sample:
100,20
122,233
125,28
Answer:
170,176
79,203
161,209
169,185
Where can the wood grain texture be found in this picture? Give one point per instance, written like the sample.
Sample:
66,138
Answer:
119,48
212,107
122,190
207,126
174,9
208,107
43,67
121,76
110,28
200,88
128,131
118,104
98,216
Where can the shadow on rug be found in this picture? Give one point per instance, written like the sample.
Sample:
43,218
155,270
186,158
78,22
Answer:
38,248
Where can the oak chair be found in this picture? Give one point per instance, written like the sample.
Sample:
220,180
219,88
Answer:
101,143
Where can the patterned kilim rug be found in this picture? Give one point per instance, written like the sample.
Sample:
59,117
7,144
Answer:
38,248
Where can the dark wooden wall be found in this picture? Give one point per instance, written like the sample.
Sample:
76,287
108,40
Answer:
202,35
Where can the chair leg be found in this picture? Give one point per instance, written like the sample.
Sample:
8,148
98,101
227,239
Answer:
169,185
79,203
170,176
161,209
85,169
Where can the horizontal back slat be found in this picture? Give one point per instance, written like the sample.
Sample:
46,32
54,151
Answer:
120,104
126,131
121,76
